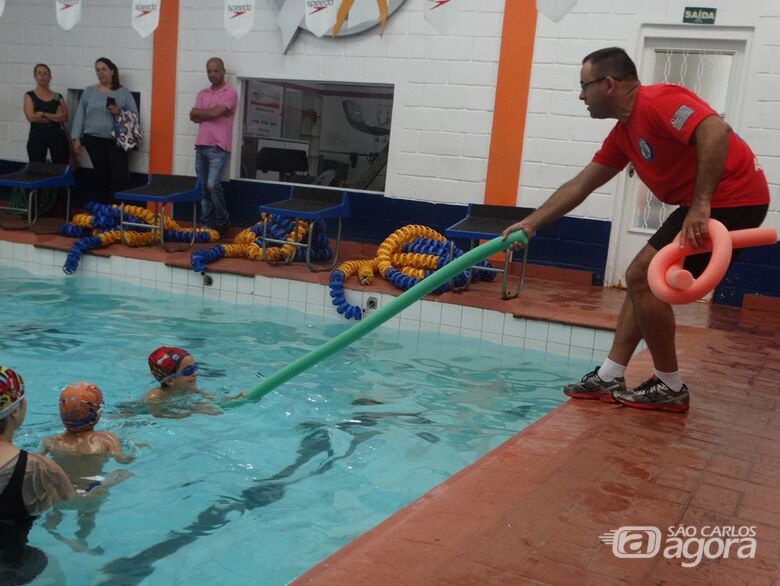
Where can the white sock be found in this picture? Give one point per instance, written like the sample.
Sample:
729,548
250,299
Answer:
673,380
610,370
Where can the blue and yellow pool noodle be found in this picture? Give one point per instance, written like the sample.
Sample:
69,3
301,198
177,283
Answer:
381,315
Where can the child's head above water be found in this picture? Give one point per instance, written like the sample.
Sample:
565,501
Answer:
11,391
81,404
173,367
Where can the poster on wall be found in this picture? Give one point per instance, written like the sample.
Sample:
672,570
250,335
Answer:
321,16
441,14
145,16
239,17
68,13
264,110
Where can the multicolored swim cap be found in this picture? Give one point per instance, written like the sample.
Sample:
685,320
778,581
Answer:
166,361
80,406
11,391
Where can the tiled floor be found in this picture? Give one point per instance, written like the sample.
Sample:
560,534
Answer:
532,511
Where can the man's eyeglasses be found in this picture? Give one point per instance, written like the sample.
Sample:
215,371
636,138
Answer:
584,84
188,370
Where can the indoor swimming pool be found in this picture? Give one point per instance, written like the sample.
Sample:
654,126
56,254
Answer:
261,493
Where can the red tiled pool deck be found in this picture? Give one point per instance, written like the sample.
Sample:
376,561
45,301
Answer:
532,510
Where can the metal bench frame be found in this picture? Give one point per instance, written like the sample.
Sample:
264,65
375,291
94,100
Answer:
485,222
309,204
168,190
36,176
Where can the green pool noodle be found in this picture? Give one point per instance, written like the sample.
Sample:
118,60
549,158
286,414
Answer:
381,315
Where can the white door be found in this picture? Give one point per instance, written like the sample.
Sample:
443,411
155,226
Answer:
713,69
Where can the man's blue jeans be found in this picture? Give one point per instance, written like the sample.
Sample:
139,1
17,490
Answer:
209,163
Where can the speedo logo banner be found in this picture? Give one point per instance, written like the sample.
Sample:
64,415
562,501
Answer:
68,13
441,14
321,16
239,17
145,16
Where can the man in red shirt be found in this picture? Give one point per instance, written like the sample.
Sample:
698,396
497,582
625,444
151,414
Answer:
687,156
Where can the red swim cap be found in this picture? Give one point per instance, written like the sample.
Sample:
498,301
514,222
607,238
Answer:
166,361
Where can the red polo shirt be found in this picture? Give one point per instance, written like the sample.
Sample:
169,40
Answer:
656,139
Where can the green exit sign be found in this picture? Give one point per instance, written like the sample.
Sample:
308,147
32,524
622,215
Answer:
699,15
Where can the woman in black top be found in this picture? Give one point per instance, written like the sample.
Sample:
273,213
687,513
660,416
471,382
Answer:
47,114
29,484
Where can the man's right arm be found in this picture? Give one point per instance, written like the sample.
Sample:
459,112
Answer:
567,197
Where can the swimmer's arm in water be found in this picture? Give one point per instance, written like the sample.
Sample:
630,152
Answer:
157,409
115,449
239,395
205,408
204,394
155,401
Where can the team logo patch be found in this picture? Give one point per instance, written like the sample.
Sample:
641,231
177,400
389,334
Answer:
645,149
680,116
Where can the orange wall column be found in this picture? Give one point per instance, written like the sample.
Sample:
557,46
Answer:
161,132
512,85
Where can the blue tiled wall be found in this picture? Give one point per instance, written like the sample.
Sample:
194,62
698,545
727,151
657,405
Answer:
570,242
757,270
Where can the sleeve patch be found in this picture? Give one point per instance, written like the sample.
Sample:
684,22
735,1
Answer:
680,116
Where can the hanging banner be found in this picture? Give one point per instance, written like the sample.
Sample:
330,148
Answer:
555,10
441,14
2,7
291,16
145,16
321,15
68,13
239,17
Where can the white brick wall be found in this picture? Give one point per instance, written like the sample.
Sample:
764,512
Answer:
444,86
29,34
561,138
444,83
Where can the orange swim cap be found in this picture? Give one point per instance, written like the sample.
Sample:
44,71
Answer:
80,406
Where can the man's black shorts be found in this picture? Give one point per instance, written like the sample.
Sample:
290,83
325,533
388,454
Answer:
732,218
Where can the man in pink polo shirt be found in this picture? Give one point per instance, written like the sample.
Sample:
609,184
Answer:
214,110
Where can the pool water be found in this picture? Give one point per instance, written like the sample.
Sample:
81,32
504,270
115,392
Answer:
261,493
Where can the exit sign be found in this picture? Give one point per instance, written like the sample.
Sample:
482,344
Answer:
699,15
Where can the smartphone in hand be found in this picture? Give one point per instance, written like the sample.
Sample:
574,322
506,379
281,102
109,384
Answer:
110,102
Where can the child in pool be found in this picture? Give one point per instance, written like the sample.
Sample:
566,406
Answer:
177,372
82,452
81,404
